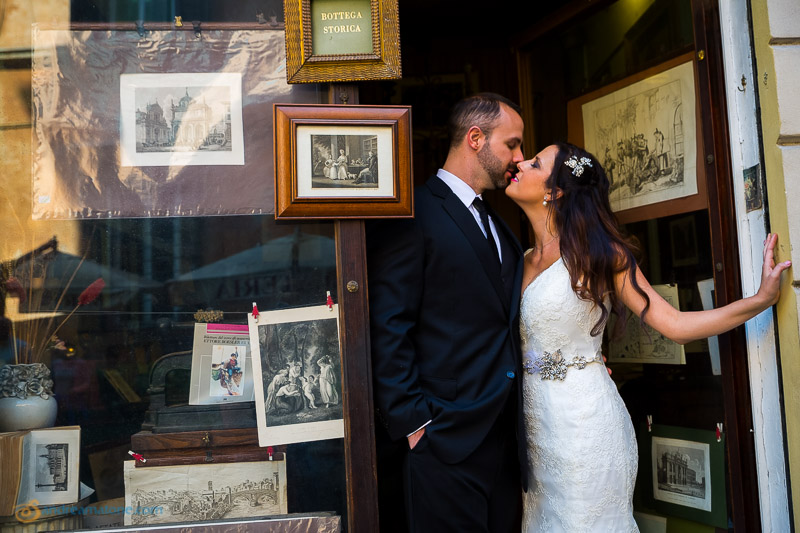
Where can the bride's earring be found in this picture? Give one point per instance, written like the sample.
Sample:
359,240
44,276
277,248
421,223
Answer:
544,202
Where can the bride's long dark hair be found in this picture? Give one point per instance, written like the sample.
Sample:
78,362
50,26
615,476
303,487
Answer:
593,247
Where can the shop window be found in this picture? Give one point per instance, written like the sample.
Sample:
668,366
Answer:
122,359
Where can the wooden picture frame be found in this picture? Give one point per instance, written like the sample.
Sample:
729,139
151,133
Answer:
680,491
339,162
341,40
683,241
642,85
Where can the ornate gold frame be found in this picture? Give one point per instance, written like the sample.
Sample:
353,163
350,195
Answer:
302,66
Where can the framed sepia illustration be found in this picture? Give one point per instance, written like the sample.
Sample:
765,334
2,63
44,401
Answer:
341,40
643,344
298,375
645,132
342,161
682,473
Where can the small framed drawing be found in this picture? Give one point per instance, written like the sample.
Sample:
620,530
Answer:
686,473
644,344
341,40
334,161
683,241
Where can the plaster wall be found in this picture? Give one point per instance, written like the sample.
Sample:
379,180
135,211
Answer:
776,37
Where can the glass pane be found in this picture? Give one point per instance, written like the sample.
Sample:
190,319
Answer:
622,39
104,341
257,11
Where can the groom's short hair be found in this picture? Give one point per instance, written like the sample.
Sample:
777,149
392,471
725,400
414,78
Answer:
480,110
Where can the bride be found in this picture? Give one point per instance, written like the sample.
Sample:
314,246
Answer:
581,443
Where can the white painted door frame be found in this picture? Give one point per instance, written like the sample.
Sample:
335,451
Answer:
767,426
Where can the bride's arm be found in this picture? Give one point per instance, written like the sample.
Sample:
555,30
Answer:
683,327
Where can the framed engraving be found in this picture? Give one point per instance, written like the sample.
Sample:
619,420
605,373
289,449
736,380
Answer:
682,473
342,161
341,40
645,132
298,375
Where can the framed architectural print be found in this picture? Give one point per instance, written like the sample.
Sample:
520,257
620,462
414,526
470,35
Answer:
644,131
682,473
341,40
336,161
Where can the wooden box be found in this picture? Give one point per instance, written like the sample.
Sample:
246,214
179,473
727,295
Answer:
198,447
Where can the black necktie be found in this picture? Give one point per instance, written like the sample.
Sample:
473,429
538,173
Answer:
480,205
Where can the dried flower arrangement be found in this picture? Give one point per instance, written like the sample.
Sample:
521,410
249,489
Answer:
37,341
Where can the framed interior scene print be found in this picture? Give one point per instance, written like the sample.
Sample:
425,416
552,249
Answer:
336,161
644,131
341,40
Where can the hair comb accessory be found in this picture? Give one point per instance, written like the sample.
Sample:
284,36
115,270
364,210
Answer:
577,165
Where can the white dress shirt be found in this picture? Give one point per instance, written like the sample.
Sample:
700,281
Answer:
465,193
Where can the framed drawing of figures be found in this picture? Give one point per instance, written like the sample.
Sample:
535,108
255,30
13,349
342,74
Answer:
298,375
341,40
644,131
336,161
643,344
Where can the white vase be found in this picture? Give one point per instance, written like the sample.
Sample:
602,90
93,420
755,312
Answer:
26,397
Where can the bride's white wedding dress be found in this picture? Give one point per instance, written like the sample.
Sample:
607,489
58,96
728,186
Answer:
581,444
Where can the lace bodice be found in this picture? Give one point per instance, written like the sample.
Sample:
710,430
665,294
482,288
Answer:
555,319
582,450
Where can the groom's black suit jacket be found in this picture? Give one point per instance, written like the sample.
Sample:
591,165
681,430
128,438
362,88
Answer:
444,325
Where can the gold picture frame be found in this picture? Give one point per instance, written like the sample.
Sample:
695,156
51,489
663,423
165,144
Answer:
349,44
342,162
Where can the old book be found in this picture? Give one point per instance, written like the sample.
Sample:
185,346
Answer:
39,467
11,446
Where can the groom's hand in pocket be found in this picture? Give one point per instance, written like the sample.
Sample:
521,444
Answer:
413,439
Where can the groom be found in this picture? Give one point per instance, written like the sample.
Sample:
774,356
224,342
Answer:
444,303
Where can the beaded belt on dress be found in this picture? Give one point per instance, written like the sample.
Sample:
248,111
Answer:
553,366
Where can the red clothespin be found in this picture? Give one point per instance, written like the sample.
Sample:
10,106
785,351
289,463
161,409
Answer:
649,423
269,451
137,456
719,431
329,301
255,311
